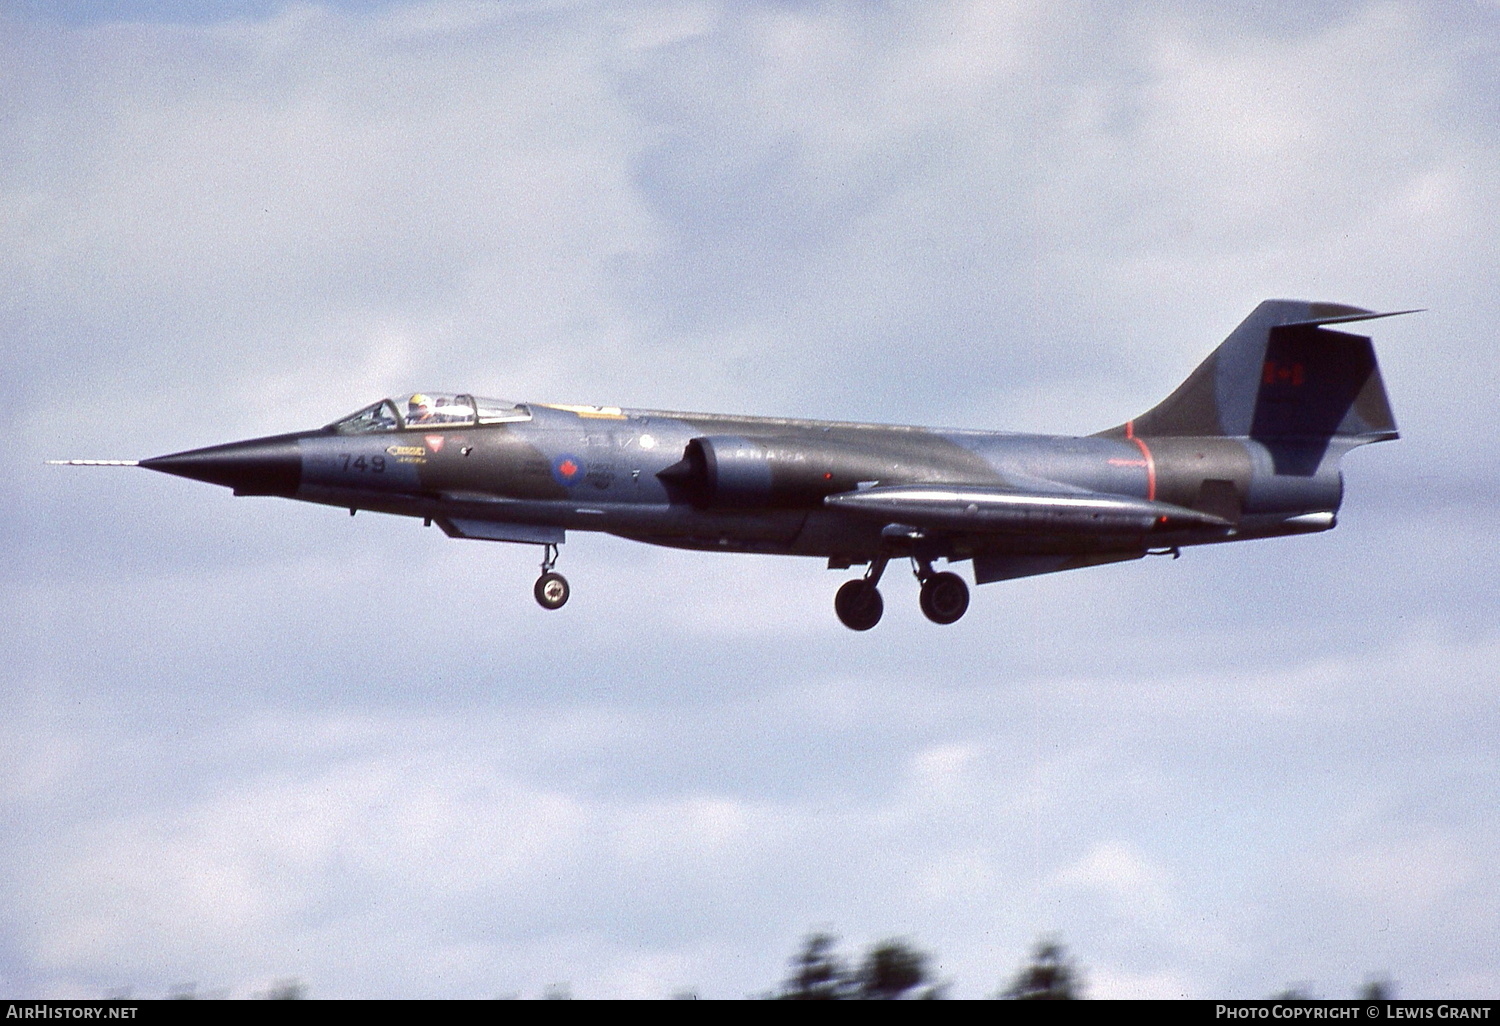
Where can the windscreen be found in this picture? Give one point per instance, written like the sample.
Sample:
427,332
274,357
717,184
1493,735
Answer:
379,416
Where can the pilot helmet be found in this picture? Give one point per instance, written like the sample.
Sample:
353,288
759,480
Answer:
416,402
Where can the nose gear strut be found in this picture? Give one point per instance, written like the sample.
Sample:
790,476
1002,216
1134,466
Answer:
551,589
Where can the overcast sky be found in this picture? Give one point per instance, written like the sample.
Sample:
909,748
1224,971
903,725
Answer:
249,739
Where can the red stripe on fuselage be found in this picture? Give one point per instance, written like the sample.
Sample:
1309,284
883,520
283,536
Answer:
1150,460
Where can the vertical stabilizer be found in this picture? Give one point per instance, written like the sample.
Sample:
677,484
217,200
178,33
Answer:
1281,376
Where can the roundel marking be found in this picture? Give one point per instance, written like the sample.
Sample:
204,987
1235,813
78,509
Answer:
567,470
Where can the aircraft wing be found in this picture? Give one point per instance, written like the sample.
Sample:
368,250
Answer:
989,509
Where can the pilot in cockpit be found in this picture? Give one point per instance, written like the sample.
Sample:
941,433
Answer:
418,409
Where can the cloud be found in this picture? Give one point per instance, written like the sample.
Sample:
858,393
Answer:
829,192
1120,873
556,841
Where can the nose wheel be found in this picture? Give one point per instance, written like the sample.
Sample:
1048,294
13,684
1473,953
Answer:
551,589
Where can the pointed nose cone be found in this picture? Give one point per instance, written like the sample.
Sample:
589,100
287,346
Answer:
263,466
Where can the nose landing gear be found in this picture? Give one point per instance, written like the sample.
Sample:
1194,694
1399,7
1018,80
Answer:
551,589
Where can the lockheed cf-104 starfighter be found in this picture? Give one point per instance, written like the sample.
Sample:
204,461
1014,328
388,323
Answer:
1247,447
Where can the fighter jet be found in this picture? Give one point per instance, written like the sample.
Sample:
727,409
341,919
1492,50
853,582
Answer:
1247,447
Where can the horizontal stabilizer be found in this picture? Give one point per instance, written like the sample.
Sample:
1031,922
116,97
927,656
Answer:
977,509
1335,313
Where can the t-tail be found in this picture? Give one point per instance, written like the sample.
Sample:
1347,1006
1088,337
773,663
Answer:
1255,434
1284,379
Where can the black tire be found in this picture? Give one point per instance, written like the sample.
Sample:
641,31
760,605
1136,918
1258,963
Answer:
945,598
858,605
551,590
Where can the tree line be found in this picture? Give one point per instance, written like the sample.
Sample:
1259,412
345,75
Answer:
893,970
889,970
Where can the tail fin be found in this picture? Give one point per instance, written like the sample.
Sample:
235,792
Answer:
1282,377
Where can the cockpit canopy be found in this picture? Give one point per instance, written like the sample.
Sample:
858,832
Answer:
429,410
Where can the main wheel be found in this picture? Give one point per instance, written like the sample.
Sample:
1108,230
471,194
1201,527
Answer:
859,605
551,590
945,597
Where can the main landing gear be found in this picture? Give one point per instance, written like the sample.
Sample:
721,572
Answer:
551,589
944,598
859,605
